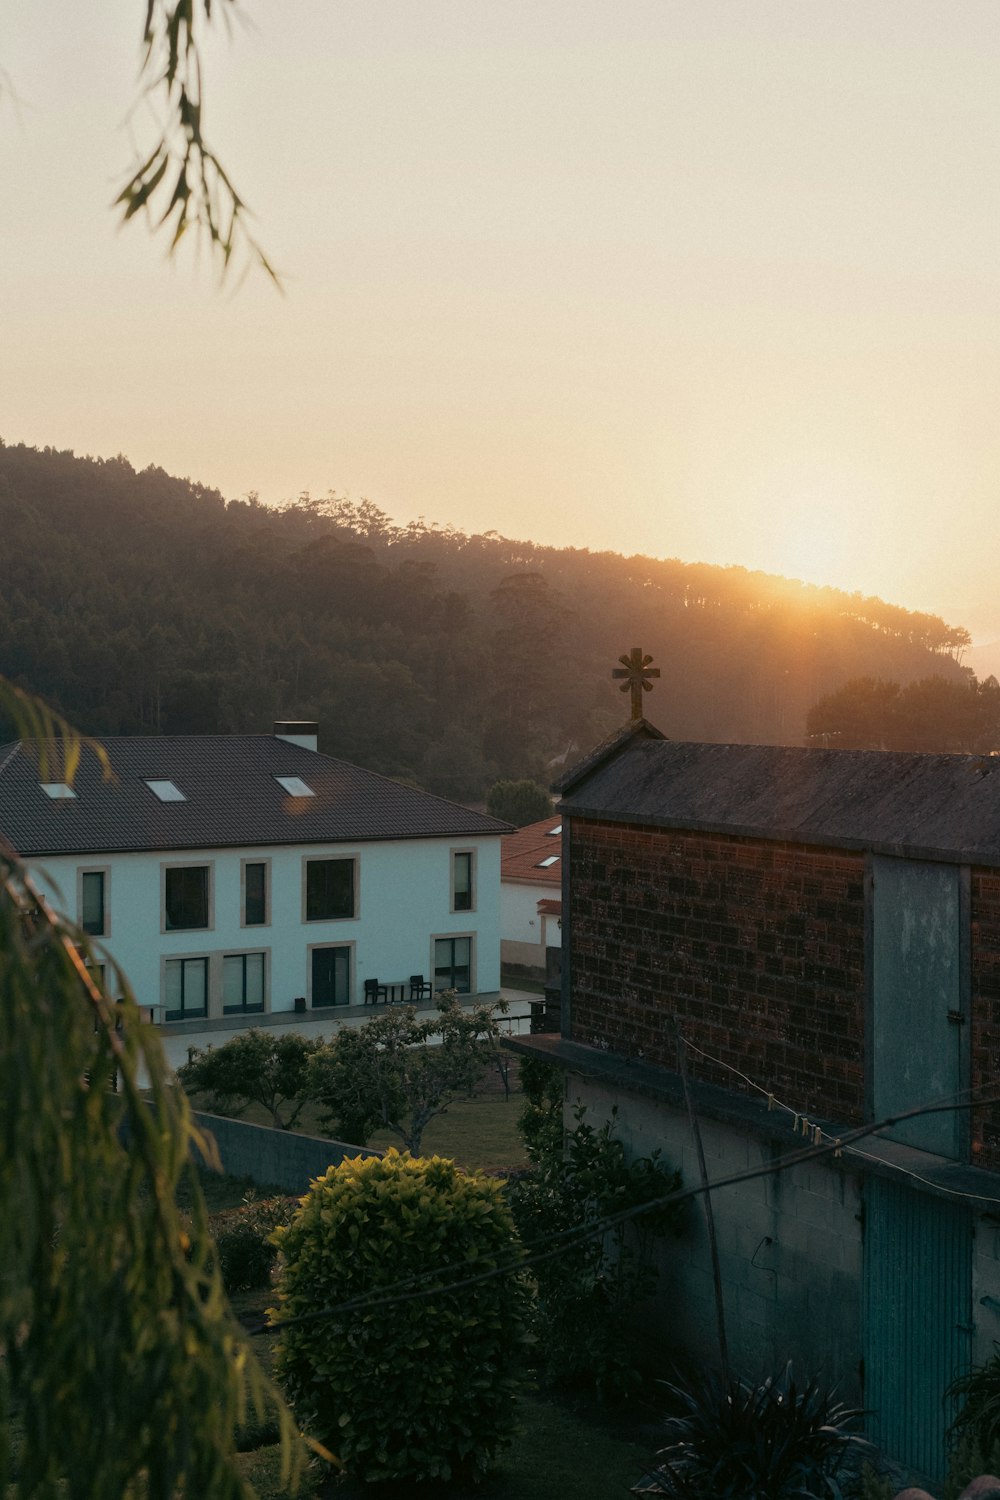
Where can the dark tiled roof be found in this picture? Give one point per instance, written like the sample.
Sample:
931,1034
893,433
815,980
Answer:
632,732
522,851
232,797
933,806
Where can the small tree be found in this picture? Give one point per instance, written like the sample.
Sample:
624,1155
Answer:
396,1073
254,1068
415,1389
518,802
585,1295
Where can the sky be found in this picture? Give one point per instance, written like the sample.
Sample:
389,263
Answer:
708,279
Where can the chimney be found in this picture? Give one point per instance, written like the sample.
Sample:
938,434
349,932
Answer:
298,732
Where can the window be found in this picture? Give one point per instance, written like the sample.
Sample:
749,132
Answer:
331,976
550,859
166,791
185,988
461,882
295,786
185,897
92,917
329,889
453,964
554,833
242,982
57,790
254,893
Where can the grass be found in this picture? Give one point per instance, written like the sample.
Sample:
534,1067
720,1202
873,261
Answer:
556,1451
477,1133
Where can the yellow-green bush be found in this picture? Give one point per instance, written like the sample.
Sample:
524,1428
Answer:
417,1389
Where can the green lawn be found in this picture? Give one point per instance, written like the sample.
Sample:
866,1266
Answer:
479,1132
556,1453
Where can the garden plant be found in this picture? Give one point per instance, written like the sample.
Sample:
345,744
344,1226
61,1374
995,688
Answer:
418,1388
732,1440
586,1296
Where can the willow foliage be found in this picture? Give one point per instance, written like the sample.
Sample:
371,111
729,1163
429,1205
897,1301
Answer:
122,1369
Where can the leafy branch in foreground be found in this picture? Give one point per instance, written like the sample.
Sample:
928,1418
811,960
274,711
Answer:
119,1352
121,1366
182,181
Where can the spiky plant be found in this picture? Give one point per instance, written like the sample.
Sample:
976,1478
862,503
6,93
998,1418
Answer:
734,1441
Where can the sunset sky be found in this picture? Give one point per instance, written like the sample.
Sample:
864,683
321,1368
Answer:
713,279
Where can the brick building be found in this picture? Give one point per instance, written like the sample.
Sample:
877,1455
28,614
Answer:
825,928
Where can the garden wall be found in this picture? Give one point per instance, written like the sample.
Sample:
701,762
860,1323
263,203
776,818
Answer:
274,1158
789,1246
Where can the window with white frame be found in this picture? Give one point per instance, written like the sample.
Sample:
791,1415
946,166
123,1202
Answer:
330,976
93,897
185,988
255,893
462,871
329,889
243,983
186,892
453,964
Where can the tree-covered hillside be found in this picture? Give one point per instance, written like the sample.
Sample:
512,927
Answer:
140,603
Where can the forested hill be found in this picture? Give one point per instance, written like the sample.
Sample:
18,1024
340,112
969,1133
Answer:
139,603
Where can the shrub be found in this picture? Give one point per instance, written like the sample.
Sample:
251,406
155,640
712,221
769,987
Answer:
735,1441
415,1389
541,1121
975,1432
244,1244
585,1295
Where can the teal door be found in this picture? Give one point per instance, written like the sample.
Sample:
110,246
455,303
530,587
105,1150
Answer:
918,988
917,1319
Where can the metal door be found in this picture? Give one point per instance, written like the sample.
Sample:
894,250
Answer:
918,979
917,1319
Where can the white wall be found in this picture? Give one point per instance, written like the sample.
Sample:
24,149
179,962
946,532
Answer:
404,901
519,919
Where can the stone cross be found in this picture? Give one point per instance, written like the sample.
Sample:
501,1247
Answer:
637,672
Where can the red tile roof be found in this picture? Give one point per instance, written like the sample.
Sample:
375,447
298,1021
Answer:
521,853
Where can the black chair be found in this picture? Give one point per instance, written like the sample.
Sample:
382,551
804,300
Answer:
375,992
420,988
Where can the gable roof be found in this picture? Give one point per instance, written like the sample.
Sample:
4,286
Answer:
523,850
926,806
231,799
632,732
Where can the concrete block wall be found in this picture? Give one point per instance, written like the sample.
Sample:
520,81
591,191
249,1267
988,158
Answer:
985,1286
985,984
274,1158
790,1248
756,947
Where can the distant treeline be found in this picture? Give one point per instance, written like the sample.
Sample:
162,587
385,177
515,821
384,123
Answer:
142,604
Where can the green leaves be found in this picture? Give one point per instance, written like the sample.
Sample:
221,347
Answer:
122,1356
397,1072
413,1390
196,190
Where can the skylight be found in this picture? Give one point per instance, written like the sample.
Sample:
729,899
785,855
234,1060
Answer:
57,790
554,831
295,786
550,859
166,791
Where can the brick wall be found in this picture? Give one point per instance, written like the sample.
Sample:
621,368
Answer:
985,915
757,948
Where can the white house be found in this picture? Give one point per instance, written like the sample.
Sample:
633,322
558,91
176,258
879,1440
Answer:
243,879
531,897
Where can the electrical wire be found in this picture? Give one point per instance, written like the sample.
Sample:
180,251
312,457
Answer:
428,1283
802,1119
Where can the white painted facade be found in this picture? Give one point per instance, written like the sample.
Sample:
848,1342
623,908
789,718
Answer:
404,902
519,918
